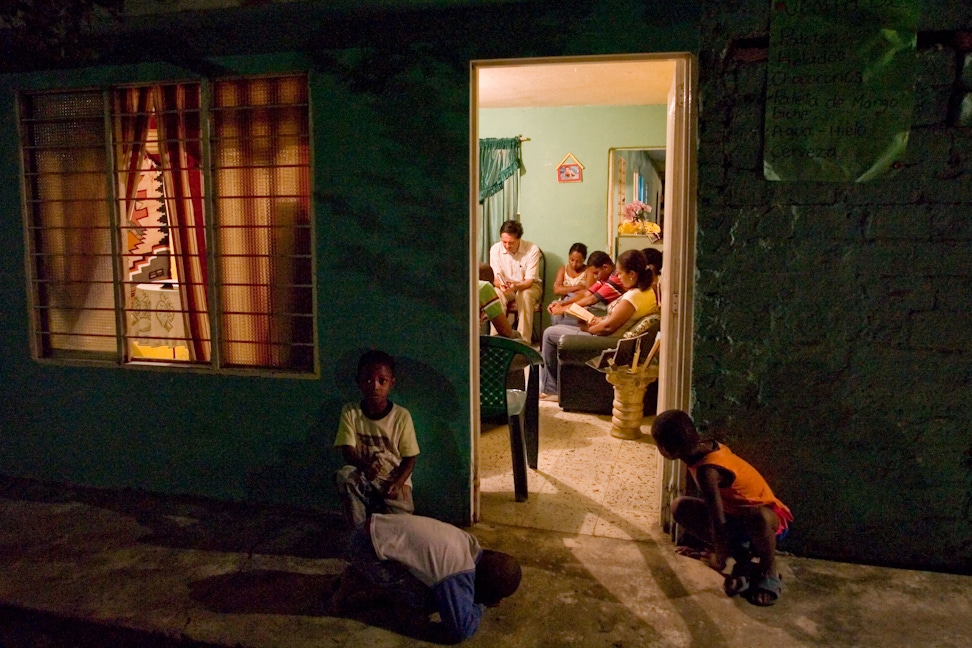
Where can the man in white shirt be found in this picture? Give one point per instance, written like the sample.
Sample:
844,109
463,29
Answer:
515,264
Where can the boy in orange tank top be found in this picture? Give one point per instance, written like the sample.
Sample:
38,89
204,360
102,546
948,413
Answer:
738,515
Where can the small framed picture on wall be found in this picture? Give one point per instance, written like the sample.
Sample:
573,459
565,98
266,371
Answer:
570,173
570,169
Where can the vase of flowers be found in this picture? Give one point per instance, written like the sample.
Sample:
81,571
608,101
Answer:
636,220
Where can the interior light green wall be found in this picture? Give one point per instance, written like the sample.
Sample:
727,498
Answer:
556,215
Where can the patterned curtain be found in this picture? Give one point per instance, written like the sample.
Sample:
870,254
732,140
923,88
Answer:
178,122
132,113
499,188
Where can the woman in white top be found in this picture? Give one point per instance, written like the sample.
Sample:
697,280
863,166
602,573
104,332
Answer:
638,300
571,277
574,275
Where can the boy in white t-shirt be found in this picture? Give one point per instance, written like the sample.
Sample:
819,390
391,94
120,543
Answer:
411,566
377,440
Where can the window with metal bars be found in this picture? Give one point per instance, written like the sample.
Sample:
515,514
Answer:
170,223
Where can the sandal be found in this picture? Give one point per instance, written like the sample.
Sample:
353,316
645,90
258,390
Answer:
771,585
737,581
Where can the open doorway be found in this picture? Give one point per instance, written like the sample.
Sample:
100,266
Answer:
581,108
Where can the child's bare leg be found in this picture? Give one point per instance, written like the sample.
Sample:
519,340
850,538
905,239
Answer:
761,525
692,515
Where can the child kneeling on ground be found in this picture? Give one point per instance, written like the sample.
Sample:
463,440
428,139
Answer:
411,566
738,515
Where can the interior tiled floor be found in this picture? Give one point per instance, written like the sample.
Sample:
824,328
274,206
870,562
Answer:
587,481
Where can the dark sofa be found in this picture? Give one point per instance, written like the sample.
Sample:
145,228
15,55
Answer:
585,389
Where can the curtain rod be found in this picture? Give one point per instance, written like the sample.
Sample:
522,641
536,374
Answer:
523,139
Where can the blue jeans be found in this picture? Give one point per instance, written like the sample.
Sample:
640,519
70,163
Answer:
567,320
548,349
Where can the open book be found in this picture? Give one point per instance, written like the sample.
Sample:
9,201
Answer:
580,312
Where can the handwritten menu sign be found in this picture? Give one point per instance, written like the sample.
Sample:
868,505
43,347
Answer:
840,89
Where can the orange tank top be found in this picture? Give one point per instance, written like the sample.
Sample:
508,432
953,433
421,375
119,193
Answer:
748,487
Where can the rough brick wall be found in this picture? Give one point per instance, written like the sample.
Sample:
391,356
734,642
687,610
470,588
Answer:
834,321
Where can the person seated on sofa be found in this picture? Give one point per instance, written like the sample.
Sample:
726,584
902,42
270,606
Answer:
655,261
575,275
638,300
491,308
605,289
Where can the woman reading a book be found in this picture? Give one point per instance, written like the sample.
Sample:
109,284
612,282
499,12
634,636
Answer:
637,301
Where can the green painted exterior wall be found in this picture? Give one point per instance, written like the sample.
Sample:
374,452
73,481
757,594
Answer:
556,215
263,438
832,321
390,117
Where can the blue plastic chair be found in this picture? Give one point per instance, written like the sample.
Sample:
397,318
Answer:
521,409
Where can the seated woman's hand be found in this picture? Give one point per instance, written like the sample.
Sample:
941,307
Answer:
599,326
555,308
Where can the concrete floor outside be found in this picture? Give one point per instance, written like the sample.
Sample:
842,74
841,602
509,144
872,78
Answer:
92,568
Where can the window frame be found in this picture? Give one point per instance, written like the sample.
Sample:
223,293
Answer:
120,357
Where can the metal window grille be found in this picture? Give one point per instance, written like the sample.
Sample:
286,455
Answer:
171,223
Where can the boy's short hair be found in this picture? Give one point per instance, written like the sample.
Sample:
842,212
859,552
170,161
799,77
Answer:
375,358
674,430
497,576
598,258
486,273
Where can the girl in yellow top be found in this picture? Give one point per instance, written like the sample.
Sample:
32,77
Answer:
737,516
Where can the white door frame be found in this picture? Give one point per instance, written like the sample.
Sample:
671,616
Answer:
678,278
